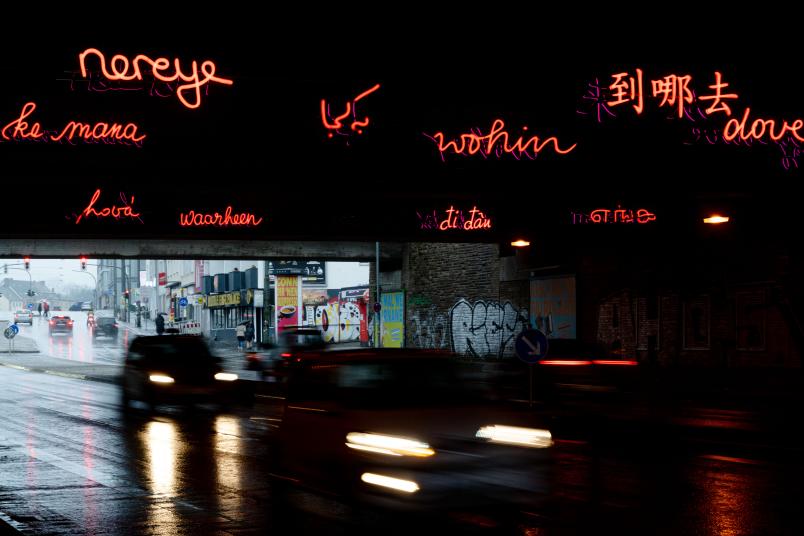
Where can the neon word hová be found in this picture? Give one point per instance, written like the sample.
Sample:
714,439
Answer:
125,210
20,129
497,141
199,219
121,68
335,125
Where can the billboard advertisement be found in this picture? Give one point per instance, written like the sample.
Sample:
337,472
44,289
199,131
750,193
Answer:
552,306
392,319
288,301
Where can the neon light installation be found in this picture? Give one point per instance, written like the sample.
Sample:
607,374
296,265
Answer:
199,219
335,125
125,210
621,215
497,141
759,128
455,219
124,69
19,129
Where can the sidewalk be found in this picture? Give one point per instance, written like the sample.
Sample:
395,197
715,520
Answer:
21,345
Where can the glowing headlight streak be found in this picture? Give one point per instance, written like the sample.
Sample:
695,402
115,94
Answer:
389,445
160,378
407,486
225,376
515,435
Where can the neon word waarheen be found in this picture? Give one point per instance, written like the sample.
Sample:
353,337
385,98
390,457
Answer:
455,219
497,142
351,109
124,211
621,215
198,219
19,129
124,69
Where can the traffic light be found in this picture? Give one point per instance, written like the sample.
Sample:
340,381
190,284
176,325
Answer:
27,261
83,263
126,294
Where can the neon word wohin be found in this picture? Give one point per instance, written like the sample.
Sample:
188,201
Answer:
199,219
335,125
621,215
455,219
497,141
20,129
121,68
125,210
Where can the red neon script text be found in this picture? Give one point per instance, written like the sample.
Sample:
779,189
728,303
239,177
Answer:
199,219
497,140
349,109
124,69
19,129
124,211
759,128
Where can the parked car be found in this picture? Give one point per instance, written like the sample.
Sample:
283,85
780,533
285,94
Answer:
176,370
290,341
86,306
23,317
60,324
104,326
405,431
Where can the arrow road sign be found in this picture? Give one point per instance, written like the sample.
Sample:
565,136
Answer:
531,346
9,333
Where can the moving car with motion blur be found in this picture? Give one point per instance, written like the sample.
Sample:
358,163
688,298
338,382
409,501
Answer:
104,326
177,370
291,340
60,324
408,431
23,317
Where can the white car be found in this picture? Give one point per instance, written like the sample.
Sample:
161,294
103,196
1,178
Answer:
23,317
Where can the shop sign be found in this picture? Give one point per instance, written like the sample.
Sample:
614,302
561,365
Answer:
224,300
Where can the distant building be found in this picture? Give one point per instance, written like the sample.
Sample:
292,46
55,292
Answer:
16,296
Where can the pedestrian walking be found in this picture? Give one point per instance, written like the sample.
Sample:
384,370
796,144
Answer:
249,334
39,308
46,308
240,331
159,322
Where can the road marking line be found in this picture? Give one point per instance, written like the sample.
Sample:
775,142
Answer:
13,522
18,367
66,375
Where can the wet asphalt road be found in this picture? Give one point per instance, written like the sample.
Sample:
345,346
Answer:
71,462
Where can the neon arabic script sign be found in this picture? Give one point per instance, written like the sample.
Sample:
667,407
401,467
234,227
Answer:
335,125
20,130
455,219
121,68
497,141
199,219
621,215
125,210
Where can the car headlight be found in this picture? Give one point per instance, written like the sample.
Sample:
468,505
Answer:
161,378
225,376
390,445
515,435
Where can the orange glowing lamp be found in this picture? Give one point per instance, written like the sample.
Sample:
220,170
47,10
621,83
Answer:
520,243
716,219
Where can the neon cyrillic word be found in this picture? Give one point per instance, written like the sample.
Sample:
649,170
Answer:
456,219
334,126
19,129
124,69
760,128
124,211
497,141
199,219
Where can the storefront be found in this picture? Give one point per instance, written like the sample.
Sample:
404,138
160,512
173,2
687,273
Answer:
230,309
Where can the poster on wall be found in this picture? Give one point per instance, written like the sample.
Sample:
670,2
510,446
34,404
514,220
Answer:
392,319
552,306
288,302
312,272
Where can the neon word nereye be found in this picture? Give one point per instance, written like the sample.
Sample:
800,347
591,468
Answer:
125,210
19,129
124,69
199,219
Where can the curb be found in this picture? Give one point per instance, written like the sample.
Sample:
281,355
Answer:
103,379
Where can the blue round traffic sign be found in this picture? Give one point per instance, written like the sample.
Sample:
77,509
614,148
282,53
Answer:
183,302
531,346
15,328
30,306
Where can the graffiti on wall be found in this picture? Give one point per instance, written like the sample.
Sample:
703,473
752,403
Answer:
428,328
485,328
343,318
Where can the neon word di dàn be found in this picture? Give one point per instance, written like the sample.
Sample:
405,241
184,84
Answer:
455,219
198,219
621,215
497,141
335,125
121,68
20,129
125,210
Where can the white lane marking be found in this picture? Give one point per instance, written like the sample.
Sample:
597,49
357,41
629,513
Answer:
13,522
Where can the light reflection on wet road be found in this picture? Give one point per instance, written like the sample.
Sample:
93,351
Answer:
72,462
